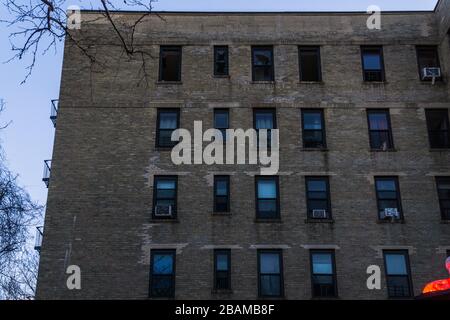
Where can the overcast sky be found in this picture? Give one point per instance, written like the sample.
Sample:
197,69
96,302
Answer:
29,138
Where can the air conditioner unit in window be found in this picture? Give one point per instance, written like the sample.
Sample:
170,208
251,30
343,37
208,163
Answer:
163,211
319,214
391,213
431,73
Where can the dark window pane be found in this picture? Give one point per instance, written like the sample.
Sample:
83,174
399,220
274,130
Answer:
168,122
323,277
271,285
309,64
162,273
443,185
264,120
267,189
372,60
438,128
220,61
162,264
397,274
322,263
427,58
170,64
262,64
313,129
270,274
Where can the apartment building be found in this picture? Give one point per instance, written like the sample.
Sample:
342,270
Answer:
364,176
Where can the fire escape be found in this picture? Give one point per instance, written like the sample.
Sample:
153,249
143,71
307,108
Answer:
46,174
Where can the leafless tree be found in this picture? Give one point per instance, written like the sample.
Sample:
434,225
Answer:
42,24
18,216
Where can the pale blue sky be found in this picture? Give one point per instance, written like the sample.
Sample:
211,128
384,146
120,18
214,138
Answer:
29,138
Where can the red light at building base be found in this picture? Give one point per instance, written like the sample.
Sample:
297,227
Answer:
439,285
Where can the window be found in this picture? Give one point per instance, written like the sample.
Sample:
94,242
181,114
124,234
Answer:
323,275
162,275
262,60
398,275
318,198
388,198
165,197
438,128
170,63
222,121
270,273
380,132
222,269
168,121
265,119
313,129
373,64
443,187
221,60
221,194
310,69
267,197
427,57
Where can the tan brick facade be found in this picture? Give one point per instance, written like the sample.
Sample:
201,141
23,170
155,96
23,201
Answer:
100,195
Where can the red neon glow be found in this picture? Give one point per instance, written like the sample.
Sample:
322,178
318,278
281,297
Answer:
436,286
439,285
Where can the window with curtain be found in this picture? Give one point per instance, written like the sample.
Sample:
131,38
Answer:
380,133
313,129
398,275
267,198
270,266
323,273
168,122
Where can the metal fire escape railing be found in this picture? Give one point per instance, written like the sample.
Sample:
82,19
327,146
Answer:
38,238
47,171
54,111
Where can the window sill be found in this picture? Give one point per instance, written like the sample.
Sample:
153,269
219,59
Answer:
263,82
325,298
222,76
400,221
222,291
274,220
376,83
311,220
381,150
315,149
272,298
439,149
312,82
164,149
438,82
221,214
169,83
153,220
